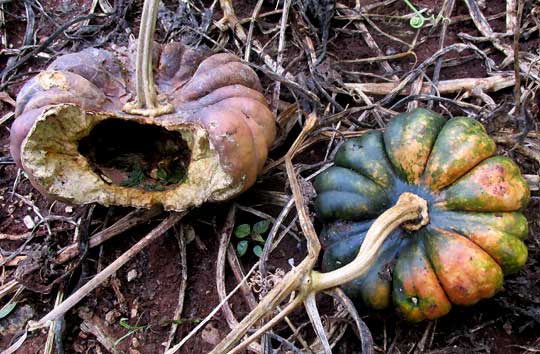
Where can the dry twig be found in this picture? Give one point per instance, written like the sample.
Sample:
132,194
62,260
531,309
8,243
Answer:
109,270
180,237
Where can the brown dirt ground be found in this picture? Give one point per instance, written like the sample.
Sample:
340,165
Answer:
508,323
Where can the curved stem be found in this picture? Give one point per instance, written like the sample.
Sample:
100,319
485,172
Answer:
293,279
146,102
409,207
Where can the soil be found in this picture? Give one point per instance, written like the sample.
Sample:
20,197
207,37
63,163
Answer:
140,300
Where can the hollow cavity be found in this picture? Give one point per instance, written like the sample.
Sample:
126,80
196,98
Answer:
142,156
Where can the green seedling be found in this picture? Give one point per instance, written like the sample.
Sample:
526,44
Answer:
419,20
135,177
131,330
253,235
7,309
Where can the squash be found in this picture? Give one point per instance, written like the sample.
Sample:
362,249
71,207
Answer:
475,231
80,139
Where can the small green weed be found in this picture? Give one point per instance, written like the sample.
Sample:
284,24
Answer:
253,235
131,330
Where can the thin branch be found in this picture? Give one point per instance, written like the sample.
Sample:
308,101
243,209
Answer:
110,269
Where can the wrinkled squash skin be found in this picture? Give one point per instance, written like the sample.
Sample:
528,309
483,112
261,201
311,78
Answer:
218,108
476,230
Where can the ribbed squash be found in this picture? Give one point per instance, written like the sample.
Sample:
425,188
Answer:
77,143
475,231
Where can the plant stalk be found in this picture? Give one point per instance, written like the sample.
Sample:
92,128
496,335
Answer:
409,207
146,102
410,212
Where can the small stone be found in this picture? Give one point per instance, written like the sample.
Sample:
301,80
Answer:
68,209
210,334
131,275
135,342
111,316
135,309
291,262
29,222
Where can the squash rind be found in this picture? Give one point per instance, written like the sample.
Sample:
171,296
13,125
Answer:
366,155
461,144
409,138
416,292
498,234
466,272
496,184
476,229
358,195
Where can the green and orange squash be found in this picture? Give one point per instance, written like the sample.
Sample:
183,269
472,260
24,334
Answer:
475,231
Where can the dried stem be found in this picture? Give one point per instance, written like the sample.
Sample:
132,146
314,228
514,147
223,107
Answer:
488,84
230,17
313,313
52,334
134,218
146,103
109,270
445,13
225,238
408,208
180,236
210,315
363,331
254,16
513,27
281,49
370,41
292,279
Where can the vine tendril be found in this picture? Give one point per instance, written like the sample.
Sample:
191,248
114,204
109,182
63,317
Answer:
417,21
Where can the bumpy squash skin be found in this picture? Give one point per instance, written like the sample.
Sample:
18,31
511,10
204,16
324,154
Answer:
465,271
494,185
476,229
501,235
349,194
